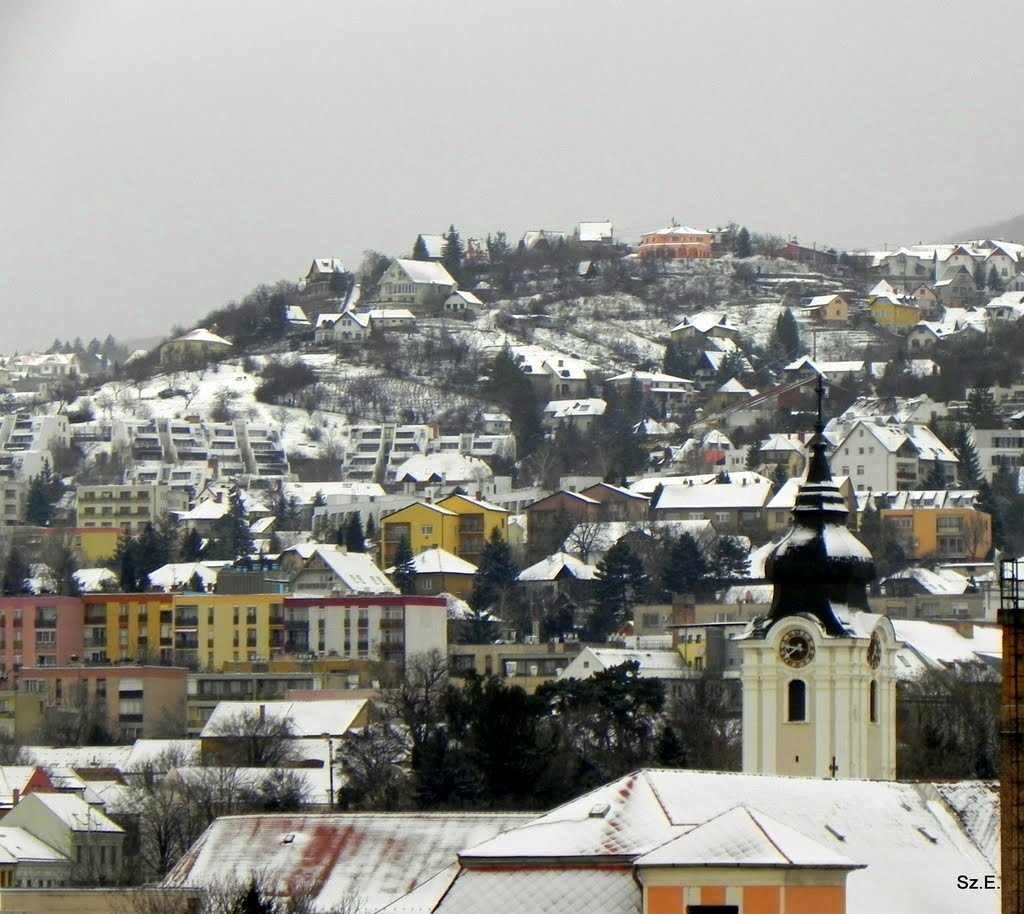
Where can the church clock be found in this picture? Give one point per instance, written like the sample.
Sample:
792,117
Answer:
796,648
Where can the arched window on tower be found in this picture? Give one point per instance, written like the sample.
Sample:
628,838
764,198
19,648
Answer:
796,709
873,702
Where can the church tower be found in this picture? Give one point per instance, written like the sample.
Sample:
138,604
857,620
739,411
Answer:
819,690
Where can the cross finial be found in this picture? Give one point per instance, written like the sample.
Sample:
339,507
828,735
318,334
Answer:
833,768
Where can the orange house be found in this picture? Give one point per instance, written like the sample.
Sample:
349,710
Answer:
677,242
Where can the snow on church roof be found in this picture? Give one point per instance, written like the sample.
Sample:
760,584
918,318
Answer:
894,829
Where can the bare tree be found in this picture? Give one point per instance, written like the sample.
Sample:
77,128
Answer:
374,763
583,539
253,739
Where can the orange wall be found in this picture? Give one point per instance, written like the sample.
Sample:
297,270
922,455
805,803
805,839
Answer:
815,899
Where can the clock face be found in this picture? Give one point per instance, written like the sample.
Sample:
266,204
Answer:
796,648
874,652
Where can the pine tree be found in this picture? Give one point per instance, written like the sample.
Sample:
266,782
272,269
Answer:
497,247
355,539
453,253
730,560
404,574
970,462
16,573
43,492
371,530
510,389
231,537
785,342
419,249
619,581
744,248
685,568
495,578
981,407
995,281
191,548
127,568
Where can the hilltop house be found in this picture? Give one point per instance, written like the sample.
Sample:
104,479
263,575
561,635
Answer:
422,284
676,242
196,346
706,324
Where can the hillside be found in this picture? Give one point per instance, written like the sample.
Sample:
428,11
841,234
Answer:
1006,230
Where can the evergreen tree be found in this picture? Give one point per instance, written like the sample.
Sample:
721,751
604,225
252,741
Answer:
43,492
404,574
453,253
678,361
151,551
498,247
744,247
619,580
970,462
995,281
785,342
127,567
419,249
512,391
195,583
355,539
779,477
16,573
685,568
981,408
231,537
730,560
191,549
495,579
371,530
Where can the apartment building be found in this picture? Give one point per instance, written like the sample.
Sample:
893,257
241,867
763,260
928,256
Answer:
138,702
126,507
39,631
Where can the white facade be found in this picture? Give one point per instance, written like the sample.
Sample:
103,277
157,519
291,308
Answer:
846,725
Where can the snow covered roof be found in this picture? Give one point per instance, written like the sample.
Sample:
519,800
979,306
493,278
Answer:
201,335
92,580
705,321
356,570
708,497
20,846
327,265
423,271
449,468
308,719
820,301
179,574
440,561
552,567
594,231
745,837
373,857
72,810
889,828
646,485
575,409
653,664
940,646
677,230
468,297
651,377
386,314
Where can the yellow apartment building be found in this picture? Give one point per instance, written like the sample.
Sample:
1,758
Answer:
476,521
423,525
128,626
191,630
887,312
211,629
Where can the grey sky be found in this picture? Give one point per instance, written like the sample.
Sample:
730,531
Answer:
158,159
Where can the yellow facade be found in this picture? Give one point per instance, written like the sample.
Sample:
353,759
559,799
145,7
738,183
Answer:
476,521
423,525
211,630
128,626
943,532
193,630
888,313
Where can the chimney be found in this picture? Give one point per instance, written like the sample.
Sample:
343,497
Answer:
15,796
263,713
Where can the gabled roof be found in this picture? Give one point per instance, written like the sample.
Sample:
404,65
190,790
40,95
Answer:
423,271
473,502
468,297
744,837
710,497
20,846
356,570
327,265
443,468
200,335
308,719
556,565
373,857
573,409
705,321
440,561
594,231
70,808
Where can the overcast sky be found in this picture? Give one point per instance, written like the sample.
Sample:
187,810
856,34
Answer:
158,159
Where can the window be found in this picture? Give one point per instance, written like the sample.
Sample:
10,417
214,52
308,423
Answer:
796,694
860,471
873,702
426,530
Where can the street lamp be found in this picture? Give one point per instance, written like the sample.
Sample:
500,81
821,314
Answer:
330,769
